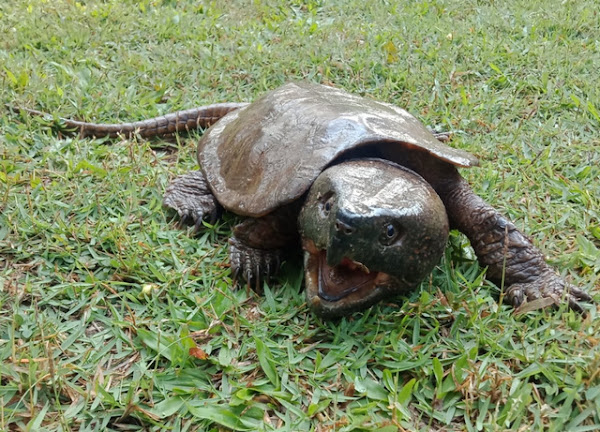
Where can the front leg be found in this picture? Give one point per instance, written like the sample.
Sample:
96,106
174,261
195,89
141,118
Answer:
510,257
259,245
254,265
191,197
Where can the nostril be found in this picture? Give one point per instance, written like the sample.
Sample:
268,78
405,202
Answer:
345,228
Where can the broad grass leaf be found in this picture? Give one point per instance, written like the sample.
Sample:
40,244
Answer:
226,416
265,358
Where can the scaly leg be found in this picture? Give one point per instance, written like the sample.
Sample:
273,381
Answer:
191,197
258,245
509,256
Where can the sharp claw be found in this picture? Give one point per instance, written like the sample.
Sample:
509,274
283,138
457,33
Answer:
198,223
574,304
268,271
580,295
248,276
257,285
515,295
516,302
214,215
236,275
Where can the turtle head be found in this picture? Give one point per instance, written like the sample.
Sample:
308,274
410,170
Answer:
370,229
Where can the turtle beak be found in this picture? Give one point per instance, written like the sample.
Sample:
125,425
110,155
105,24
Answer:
336,252
341,241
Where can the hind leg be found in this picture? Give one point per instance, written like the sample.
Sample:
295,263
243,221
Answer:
191,197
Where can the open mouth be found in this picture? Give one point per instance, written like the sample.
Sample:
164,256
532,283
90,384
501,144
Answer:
348,286
346,278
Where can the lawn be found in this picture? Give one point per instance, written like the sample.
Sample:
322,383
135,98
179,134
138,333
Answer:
114,318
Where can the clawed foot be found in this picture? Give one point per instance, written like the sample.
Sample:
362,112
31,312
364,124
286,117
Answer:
253,265
549,287
190,196
443,136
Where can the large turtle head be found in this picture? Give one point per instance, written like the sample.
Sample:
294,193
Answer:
370,229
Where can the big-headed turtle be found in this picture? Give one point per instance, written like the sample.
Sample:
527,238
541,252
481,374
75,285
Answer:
366,190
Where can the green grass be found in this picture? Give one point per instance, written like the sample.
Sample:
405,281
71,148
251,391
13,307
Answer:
112,318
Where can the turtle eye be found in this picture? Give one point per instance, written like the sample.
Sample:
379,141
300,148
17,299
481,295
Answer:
389,234
326,205
390,231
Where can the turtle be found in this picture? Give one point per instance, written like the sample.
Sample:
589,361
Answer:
362,188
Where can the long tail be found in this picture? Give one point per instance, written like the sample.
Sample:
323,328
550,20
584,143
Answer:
200,117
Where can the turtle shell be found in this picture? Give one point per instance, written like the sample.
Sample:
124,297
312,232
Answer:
268,153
